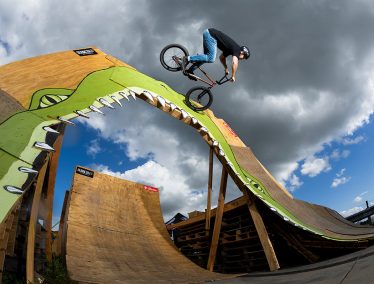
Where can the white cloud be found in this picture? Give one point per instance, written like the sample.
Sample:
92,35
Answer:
352,141
341,173
314,166
340,154
358,198
351,211
340,179
294,182
93,148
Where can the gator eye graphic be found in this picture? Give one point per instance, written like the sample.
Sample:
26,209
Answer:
50,100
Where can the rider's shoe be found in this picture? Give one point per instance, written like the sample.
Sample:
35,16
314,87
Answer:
189,74
184,63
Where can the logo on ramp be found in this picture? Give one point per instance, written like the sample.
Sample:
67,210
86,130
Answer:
85,52
84,172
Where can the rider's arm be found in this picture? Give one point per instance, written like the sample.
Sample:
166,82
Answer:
235,63
222,58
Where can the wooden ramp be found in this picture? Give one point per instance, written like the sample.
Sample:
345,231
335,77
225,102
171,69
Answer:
116,234
328,222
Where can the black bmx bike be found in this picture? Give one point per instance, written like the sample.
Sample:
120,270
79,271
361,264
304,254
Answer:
197,98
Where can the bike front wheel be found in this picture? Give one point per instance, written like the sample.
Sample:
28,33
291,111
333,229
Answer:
199,98
171,57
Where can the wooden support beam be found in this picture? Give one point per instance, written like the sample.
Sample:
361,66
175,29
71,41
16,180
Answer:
218,220
5,231
209,198
50,192
262,234
32,224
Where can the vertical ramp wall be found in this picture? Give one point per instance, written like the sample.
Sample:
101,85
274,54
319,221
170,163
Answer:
116,234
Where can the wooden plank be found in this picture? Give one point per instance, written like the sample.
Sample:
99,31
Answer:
61,246
294,242
13,231
232,205
218,220
209,198
4,240
50,192
32,224
262,234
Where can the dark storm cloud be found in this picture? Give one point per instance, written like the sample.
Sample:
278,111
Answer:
309,48
304,85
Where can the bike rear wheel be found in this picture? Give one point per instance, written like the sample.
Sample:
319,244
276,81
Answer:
199,98
171,57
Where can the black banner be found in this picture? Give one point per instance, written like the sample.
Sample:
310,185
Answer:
84,172
85,52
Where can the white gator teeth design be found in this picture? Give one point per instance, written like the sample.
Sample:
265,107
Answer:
43,146
184,114
173,107
95,109
106,103
114,98
49,129
133,94
204,130
123,94
215,143
148,95
161,100
13,189
80,113
194,120
27,170
221,153
65,121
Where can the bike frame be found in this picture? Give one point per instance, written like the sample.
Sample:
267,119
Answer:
211,83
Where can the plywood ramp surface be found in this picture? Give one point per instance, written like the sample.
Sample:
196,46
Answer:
116,234
324,219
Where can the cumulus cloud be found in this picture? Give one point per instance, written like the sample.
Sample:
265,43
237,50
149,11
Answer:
339,154
352,141
295,182
351,211
340,178
313,166
358,199
93,148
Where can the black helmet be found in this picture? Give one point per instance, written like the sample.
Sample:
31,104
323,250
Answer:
245,51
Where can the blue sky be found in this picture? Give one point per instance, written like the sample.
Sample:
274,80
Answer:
357,168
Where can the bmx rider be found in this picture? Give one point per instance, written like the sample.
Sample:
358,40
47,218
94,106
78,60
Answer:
213,38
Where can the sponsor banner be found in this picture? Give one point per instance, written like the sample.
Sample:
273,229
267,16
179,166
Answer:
85,52
84,172
150,188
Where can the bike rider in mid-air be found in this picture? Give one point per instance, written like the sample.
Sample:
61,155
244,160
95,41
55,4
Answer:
212,39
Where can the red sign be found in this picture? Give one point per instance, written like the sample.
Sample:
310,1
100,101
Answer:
230,129
150,188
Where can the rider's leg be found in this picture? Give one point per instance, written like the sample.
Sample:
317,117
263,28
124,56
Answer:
210,52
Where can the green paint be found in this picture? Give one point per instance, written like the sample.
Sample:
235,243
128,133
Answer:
20,131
